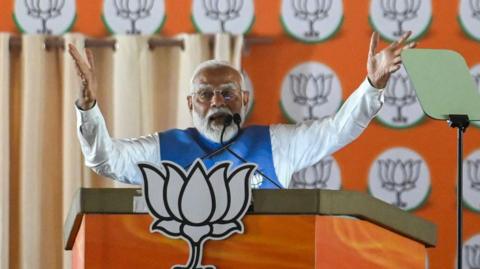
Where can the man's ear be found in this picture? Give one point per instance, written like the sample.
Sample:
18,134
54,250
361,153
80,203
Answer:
245,97
189,101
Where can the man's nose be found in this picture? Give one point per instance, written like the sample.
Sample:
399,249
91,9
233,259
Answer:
217,100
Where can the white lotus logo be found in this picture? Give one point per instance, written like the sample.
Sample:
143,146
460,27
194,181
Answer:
197,205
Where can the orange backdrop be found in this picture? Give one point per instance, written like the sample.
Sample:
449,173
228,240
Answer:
346,54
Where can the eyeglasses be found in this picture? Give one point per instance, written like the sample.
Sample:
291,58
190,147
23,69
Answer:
206,95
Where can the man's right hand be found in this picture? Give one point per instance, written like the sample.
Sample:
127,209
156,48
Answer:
86,72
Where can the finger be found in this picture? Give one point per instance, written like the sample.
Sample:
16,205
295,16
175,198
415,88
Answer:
373,44
397,60
393,68
74,52
78,58
80,73
90,58
404,38
410,45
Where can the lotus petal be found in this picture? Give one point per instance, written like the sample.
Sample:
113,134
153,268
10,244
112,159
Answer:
238,185
416,170
196,233
390,169
398,172
176,179
408,166
153,189
197,191
311,87
382,170
225,229
170,227
218,179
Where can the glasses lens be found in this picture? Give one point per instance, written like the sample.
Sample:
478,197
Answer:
228,94
205,95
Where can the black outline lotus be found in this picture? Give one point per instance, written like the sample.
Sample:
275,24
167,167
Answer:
399,181
400,93
215,12
391,11
124,11
300,84
320,12
36,10
322,171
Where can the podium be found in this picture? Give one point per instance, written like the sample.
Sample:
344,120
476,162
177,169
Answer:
109,228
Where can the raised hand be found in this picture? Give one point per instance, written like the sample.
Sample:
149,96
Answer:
382,64
86,72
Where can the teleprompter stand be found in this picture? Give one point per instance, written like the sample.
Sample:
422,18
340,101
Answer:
446,91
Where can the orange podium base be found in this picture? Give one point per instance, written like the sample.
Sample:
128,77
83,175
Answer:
270,241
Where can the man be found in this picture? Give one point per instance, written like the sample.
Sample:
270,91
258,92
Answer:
218,92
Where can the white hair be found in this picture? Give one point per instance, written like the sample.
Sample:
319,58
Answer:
215,64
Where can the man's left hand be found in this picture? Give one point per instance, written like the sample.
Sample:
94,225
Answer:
382,64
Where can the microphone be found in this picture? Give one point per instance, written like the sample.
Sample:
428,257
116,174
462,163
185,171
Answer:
237,119
227,121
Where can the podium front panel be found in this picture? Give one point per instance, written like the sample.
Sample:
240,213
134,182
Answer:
270,241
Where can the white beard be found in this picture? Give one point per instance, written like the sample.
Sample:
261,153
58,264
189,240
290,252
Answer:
214,132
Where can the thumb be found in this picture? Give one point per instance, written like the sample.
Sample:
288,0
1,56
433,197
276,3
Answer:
373,44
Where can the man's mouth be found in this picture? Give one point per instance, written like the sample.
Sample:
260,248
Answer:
217,118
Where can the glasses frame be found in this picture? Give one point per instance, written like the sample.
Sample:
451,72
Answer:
237,92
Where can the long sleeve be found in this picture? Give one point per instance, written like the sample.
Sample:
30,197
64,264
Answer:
296,146
114,158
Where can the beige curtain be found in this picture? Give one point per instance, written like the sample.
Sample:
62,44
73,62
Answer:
40,171
196,50
229,48
141,91
4,148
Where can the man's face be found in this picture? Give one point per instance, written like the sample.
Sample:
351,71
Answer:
217,93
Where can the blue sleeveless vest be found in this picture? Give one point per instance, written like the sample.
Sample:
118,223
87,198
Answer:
252,144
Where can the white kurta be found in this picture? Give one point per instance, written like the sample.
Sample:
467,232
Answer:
294,146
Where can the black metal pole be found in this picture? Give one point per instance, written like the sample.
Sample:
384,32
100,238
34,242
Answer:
460,122
460,131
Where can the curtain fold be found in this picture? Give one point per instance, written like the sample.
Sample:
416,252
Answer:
4,149
195,51
163,79
236,59
128,90
222,49
40,173
228,48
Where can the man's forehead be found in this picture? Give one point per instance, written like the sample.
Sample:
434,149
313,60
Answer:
228,84
218,74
